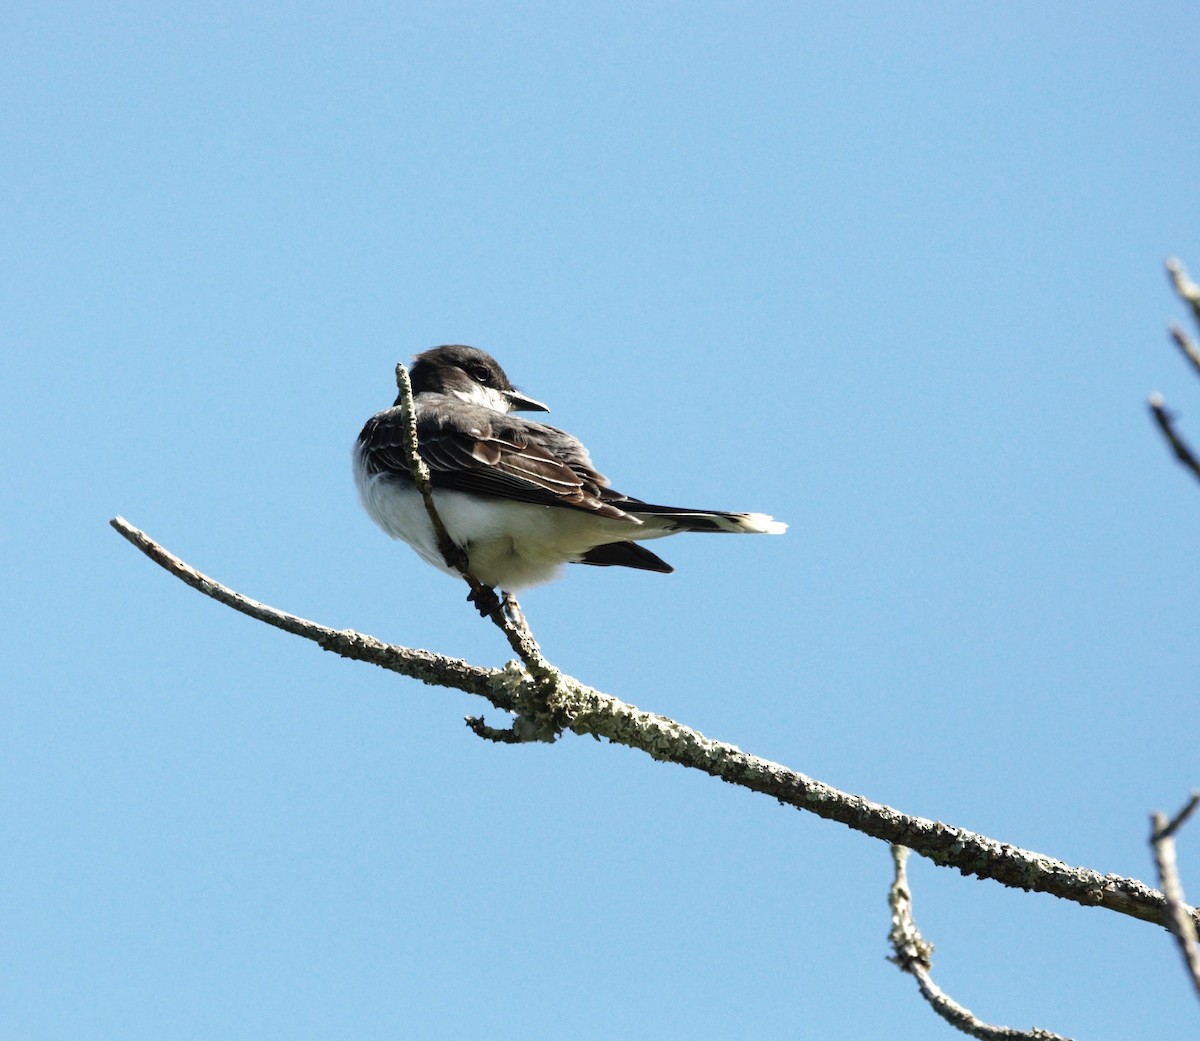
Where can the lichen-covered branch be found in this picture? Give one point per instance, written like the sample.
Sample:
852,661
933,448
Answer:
914,955
1180,917
584,710
437,670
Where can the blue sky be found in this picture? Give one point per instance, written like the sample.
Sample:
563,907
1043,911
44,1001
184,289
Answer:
892,273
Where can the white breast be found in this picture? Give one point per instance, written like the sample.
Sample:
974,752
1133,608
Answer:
512,545
396,506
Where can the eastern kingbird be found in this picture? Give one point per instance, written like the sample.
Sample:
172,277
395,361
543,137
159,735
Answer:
518,497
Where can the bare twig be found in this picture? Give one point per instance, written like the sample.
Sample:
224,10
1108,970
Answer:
437,670
1166,423
1186,345
1179,916
1188,291
1165,829
587,711
511,622
914,954
452,554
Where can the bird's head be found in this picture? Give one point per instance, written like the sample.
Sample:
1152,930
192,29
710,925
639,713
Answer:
471,375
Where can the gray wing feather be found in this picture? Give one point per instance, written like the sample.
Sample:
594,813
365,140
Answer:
474,449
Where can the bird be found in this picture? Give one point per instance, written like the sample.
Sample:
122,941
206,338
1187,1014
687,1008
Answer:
518,498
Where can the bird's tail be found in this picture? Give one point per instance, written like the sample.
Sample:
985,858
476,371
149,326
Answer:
677,518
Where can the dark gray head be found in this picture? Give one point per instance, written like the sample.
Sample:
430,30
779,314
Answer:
471,375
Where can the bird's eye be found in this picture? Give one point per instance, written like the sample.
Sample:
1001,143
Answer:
479,373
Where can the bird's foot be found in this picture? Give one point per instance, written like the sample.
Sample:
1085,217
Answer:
456,557
485,600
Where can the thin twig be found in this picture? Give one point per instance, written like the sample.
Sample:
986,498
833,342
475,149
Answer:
1188,291
914,955
452,554
1166,423
588,711
500,735
434,669
515,630
1179,916
1186,345
1167,829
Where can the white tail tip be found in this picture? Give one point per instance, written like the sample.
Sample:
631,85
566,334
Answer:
761,524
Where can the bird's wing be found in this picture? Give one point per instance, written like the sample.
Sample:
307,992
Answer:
474,449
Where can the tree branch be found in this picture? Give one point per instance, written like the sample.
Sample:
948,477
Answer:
1179,916
437,670
1187,346
1166,423
584,710
1189,293
914,955
1185,288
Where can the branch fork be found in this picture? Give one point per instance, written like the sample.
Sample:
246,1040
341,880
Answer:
1180,917
913,954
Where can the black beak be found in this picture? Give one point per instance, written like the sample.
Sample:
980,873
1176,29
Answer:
518,402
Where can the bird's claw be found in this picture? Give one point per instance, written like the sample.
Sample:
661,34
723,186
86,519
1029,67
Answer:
485,600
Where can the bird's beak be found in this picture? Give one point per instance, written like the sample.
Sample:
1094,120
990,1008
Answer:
518,402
